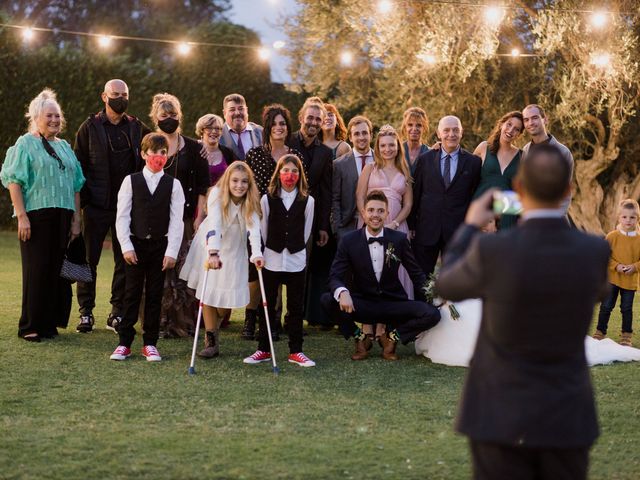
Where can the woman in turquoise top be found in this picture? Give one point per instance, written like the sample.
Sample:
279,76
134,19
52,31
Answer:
415,126
500,159
44,179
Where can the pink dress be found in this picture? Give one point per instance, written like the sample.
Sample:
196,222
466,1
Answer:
394,192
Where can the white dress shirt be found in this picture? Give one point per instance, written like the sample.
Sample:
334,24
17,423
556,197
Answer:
542,213
123,215
358,159
286,261
376,252
247,142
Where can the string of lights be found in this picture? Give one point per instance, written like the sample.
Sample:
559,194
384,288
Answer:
493,14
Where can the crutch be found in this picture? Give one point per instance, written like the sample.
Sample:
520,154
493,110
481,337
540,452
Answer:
192,367
275,369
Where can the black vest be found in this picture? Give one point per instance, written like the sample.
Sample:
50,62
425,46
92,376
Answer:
286,227
150,213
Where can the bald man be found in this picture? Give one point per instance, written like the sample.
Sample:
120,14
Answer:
444,183
108,148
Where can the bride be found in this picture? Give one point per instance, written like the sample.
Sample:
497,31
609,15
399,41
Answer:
452,342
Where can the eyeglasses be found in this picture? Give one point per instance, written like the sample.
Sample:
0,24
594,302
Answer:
129,146
212,129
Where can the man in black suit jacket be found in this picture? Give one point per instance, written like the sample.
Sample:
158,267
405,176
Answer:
528,405
373,254
444,183
318,159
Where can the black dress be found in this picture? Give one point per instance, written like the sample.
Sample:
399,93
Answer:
263,165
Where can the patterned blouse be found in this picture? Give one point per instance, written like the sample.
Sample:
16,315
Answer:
263,165
43,182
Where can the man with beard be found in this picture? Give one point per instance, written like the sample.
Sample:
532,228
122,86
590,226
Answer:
535,123
108,148
238,133
346,171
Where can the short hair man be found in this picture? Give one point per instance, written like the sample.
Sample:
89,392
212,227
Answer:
108,148
444,183
373,255
528,405
346,171
238,133
535,123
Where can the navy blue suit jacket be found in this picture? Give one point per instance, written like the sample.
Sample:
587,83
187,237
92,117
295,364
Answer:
438,211
353,254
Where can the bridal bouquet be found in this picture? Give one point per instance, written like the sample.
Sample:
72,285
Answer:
429,289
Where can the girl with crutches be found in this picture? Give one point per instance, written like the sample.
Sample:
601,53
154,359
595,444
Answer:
286,227
220,246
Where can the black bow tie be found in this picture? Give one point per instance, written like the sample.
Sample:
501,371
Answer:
380,240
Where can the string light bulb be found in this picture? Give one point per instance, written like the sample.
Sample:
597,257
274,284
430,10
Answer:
184,48
278,45
28,34
493,15
385,6
264,53
599,19
346,58
104,41
515,52
601,60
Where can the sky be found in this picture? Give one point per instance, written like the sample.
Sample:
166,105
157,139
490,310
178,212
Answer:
260,16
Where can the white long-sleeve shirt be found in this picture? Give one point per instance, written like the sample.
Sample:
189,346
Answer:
123,215
286,261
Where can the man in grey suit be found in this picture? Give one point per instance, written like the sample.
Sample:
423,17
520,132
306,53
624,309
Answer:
346,171
238,133
527,405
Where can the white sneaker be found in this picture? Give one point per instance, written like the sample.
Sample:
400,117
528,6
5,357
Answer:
301,359
151,353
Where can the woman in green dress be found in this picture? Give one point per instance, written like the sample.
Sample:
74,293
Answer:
500,159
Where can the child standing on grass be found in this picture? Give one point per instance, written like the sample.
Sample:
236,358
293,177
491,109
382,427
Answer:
287,218
149,228
220,248
623,270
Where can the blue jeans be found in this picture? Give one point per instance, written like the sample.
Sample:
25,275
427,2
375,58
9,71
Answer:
626,308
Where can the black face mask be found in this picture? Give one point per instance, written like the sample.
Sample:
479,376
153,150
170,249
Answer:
119,105
169,125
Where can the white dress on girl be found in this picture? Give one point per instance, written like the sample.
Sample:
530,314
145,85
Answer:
452,342
227,287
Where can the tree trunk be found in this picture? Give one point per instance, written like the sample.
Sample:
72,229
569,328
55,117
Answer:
586,206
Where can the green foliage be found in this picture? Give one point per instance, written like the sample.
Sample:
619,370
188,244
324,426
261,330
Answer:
69,412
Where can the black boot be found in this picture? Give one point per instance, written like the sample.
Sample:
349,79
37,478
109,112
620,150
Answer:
249,329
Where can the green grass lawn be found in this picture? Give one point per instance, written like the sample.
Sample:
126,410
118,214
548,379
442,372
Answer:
67,412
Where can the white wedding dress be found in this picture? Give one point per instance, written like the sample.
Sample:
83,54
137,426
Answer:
452,342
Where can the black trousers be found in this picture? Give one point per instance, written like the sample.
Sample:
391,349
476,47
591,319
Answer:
147,275
46,297
408,317
97,223
499,462
427,255
295,283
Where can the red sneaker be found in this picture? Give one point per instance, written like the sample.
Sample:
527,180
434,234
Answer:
120,353
151,353
258,357
301,359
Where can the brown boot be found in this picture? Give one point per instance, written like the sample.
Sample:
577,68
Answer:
599,335
211,348
362,348
625,339
388,347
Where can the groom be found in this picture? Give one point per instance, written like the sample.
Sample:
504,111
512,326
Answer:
374,254
527,406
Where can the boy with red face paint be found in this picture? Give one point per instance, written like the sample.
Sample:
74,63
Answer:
287,219
149,228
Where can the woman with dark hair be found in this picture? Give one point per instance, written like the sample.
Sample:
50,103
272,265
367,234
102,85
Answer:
334,132
500,159
262,160
44,179
186,164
